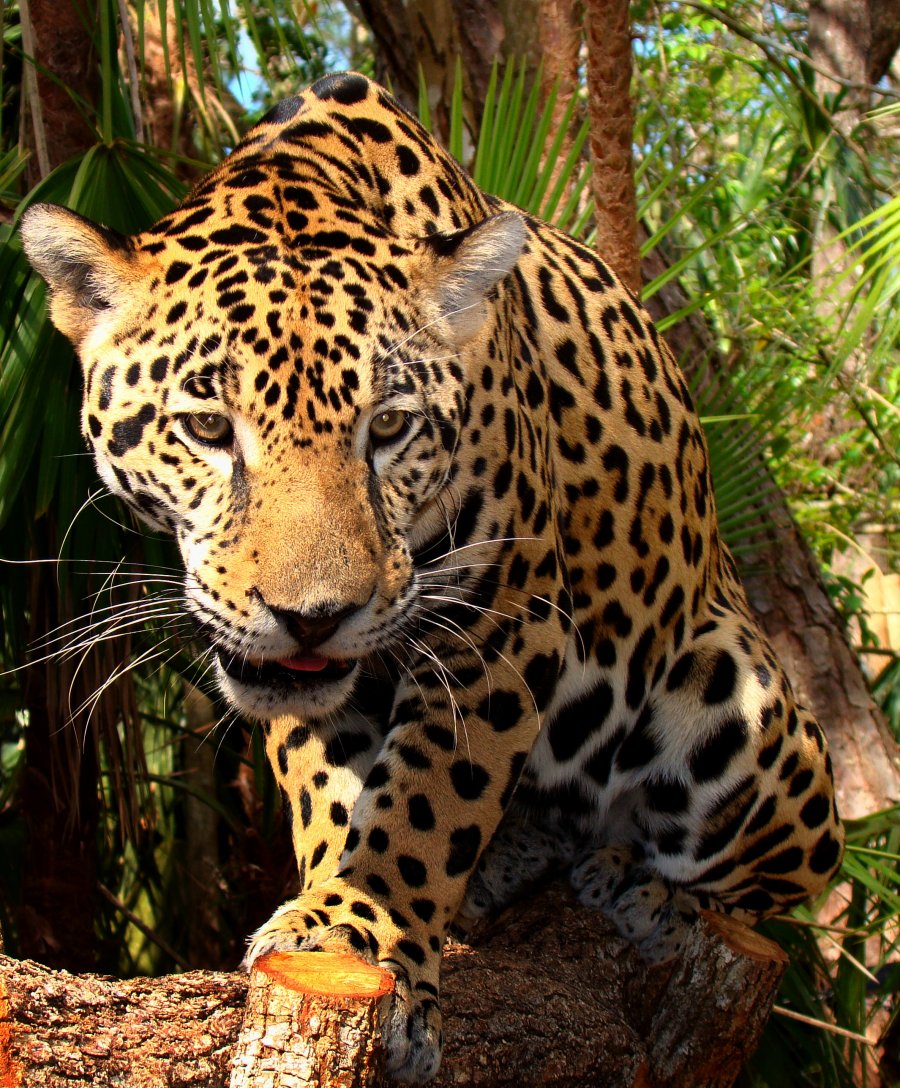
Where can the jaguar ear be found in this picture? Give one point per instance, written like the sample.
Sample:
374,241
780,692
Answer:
470,263
86,266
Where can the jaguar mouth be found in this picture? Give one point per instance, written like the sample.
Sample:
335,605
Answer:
287,672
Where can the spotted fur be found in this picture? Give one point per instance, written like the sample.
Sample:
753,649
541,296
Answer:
446,516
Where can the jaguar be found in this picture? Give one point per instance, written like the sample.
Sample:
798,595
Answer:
447,524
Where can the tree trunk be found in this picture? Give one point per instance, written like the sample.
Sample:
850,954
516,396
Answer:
550,998
855,41
608,32
59,806
839,36
91,1031
785,589
560,38
60,35
432,35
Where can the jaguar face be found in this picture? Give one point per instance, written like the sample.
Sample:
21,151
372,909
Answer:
293,429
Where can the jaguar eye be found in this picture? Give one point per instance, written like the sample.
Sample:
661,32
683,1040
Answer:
209,428
387,426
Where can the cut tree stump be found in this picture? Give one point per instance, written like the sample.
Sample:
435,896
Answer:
548,996
311,1021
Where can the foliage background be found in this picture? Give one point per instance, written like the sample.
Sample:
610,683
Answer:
743,162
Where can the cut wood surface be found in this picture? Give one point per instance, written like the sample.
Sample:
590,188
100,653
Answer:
312,1021
546,995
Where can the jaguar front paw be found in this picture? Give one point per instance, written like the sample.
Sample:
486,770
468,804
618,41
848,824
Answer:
302,926
411,1029
333,921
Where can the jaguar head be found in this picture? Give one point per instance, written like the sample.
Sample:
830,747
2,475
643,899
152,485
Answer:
289,411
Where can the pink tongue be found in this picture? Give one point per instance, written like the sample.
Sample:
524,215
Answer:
313,663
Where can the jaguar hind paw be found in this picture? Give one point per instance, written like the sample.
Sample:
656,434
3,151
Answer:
645,909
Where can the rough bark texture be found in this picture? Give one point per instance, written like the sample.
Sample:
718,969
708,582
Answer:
432,34
560,38
608,33
160,112
785,589
64,49
839,36
855,39
839,33
884,23
550,997
68,1031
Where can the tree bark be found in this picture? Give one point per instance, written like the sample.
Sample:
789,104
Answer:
66,69
855,40
76,1031
430,35
884,24
560,38
550,997
608,33
783,584
839,37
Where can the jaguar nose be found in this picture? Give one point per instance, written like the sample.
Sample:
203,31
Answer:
315,626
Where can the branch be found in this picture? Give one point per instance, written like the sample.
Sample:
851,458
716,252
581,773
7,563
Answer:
769,48
549,997
767,44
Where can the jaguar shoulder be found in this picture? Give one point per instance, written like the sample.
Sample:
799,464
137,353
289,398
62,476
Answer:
447,523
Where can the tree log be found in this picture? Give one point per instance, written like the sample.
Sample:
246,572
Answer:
549,996
311,1020
70,1031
